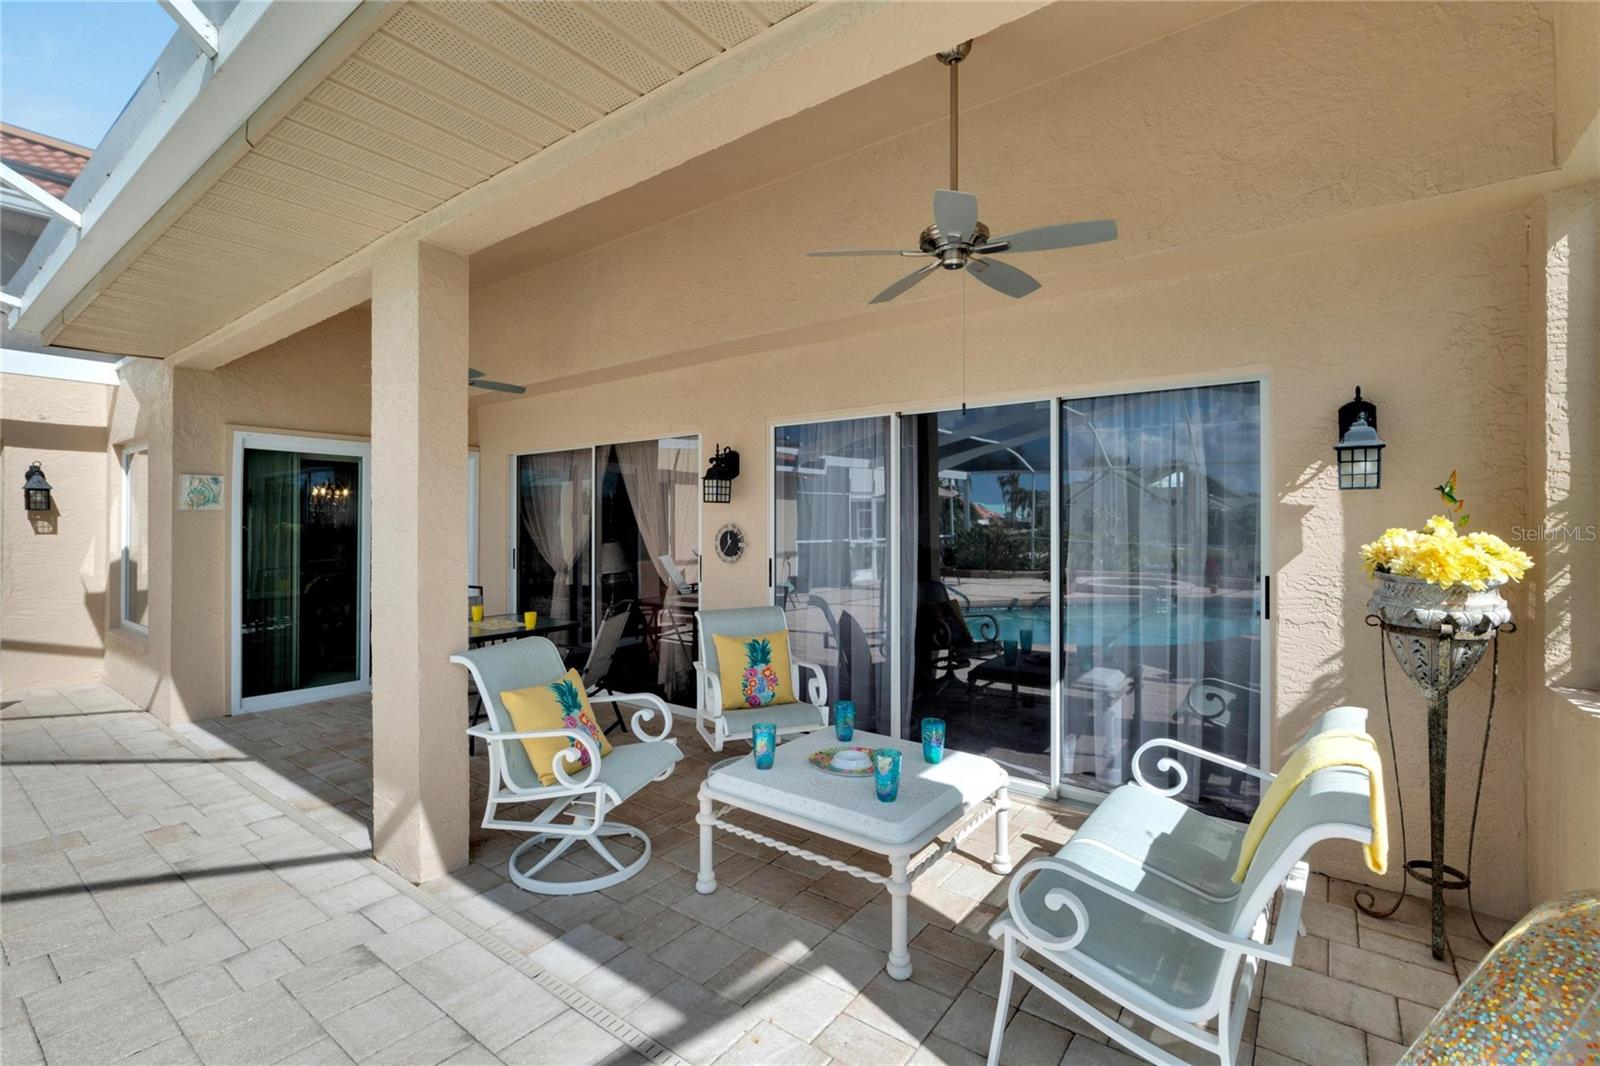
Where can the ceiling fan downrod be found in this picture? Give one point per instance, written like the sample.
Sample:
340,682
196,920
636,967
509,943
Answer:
952,59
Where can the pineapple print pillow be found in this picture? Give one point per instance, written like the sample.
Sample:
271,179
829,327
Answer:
754,670
561,704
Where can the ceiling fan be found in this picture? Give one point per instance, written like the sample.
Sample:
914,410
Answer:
957,240
475,379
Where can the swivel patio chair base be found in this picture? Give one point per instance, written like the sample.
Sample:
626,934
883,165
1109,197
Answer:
528,879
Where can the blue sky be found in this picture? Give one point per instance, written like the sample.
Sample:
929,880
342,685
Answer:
67,67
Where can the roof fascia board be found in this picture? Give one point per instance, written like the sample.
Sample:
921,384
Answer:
205,113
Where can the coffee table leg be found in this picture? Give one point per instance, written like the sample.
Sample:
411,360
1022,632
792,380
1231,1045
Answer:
1002,832
706,883
899,888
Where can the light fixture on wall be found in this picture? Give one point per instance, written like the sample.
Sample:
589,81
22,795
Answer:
1359,449
717,485
36,490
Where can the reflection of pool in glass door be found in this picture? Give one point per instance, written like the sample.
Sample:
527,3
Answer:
301,591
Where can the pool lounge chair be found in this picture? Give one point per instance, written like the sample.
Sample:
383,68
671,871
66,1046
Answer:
1140,903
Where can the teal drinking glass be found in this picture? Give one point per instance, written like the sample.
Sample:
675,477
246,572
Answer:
763,741
932,739
844,720
886,773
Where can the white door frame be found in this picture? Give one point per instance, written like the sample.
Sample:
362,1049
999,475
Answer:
344,447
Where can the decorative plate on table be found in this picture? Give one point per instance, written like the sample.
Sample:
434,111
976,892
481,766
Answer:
823,760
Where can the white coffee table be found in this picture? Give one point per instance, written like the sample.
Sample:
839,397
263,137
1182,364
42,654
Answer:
962,790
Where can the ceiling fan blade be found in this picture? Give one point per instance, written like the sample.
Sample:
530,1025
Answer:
1003,277
860,251
904,283
955,213
473,375
496,386
1065,235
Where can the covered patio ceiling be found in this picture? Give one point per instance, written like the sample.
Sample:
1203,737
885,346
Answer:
524,133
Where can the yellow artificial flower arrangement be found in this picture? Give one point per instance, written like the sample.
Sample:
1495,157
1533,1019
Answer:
1440,556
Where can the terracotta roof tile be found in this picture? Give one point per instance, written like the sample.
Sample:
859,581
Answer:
59,161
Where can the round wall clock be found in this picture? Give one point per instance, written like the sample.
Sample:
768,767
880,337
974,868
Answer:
731,543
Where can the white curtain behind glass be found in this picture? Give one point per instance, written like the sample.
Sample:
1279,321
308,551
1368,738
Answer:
1159,500
555,513
832,555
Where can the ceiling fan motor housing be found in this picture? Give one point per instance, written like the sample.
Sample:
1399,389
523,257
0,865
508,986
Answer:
952,254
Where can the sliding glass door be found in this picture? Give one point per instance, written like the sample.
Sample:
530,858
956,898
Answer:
831,556
301,588
615,530
1160,585
976,491
1059,581
649,561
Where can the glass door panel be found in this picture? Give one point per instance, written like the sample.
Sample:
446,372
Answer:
1160,500
976,492
649,535
555,493
301,576
831,573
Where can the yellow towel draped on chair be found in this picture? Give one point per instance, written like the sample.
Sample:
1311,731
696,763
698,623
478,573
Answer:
1342,748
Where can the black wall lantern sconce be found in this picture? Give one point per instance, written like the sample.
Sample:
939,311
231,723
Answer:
717,485
1359,449
36,490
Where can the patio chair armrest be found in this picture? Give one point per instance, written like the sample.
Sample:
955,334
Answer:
710,691
582,744
816,684
652,705
1167,764
983,627
1059,897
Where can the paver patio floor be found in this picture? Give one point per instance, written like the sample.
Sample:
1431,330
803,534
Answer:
205,894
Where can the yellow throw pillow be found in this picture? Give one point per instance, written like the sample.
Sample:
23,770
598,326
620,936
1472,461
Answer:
754,670
561,704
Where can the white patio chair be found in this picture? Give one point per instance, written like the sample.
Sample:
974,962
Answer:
717,725
1140,904
578,804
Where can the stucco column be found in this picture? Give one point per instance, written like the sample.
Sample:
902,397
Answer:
419,560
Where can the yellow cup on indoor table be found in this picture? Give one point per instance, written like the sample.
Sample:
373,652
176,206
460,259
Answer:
530,619
477,612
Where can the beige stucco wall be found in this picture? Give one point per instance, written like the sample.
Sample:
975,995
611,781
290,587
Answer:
1388,314
1233,156
312,383
54,601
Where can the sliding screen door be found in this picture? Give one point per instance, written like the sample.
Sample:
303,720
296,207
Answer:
831,556
1160,512
555,494
302,577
